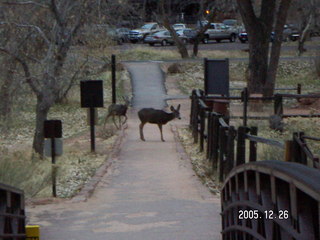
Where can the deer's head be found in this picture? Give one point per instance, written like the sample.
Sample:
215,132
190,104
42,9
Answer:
176,111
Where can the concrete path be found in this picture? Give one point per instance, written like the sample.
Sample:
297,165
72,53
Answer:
149,193
147,81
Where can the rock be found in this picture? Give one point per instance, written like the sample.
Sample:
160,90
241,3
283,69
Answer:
309,101
175,68
276,123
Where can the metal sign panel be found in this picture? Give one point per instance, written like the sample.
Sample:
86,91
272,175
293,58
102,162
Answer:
216,77
52,129
58,145
91,93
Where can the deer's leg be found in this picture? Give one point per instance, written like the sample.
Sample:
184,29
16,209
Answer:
160,127
105,121
120,124
125,119
115,122
141,131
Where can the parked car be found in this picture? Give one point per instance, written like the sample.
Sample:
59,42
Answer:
178,26
218,32
233,25
123,34
289,33
163,37
139,34
243,36
186,35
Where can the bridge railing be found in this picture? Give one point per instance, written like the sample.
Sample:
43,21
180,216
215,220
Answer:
12,213
271,200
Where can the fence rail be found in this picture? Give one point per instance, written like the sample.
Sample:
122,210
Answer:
12,214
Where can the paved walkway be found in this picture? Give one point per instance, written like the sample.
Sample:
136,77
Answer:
149,193
148,88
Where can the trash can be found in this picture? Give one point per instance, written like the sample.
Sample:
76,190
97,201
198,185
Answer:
221,106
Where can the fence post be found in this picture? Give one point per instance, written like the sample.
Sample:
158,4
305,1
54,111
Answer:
195,120
222,150
299,155
209,134
299,90
288,152
241,145
215,141
278,105
253,145
202,127
229,163
192,109
244,98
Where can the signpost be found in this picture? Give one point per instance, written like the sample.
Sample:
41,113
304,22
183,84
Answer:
216,77
113,69
92,97
52,130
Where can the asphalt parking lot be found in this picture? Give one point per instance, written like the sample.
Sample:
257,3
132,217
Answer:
226,45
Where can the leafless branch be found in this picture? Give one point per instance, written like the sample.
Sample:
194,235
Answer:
26,69
42,34
56,13
26,3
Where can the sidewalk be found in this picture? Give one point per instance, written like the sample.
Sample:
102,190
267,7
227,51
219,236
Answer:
149,193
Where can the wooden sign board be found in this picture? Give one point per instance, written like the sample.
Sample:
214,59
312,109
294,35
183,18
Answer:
52,129
91,93
216,77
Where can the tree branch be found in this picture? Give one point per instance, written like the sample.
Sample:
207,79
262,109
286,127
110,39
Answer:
26,70
26,3
55,11
42,34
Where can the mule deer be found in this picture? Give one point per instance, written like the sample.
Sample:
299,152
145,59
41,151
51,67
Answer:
159,117
118,110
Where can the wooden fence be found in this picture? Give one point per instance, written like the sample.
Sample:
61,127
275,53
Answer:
12,213
226,145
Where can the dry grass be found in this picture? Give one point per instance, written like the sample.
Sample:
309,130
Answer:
199,162
290,73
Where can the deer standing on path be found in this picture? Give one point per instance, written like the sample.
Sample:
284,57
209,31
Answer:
159,117
118,110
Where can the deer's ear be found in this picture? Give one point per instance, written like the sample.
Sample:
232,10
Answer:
178,108
172,108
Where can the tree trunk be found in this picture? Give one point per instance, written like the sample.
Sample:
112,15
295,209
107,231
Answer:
304,35
281,17
258,61
42,110
196,47
166,23
6,89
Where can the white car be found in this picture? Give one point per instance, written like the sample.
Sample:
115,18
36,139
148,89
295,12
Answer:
178,26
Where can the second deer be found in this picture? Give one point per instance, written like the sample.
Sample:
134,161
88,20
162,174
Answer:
159,117
119,110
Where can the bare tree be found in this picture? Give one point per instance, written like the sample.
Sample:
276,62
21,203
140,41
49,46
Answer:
182,49
305,12
259,25
49,31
